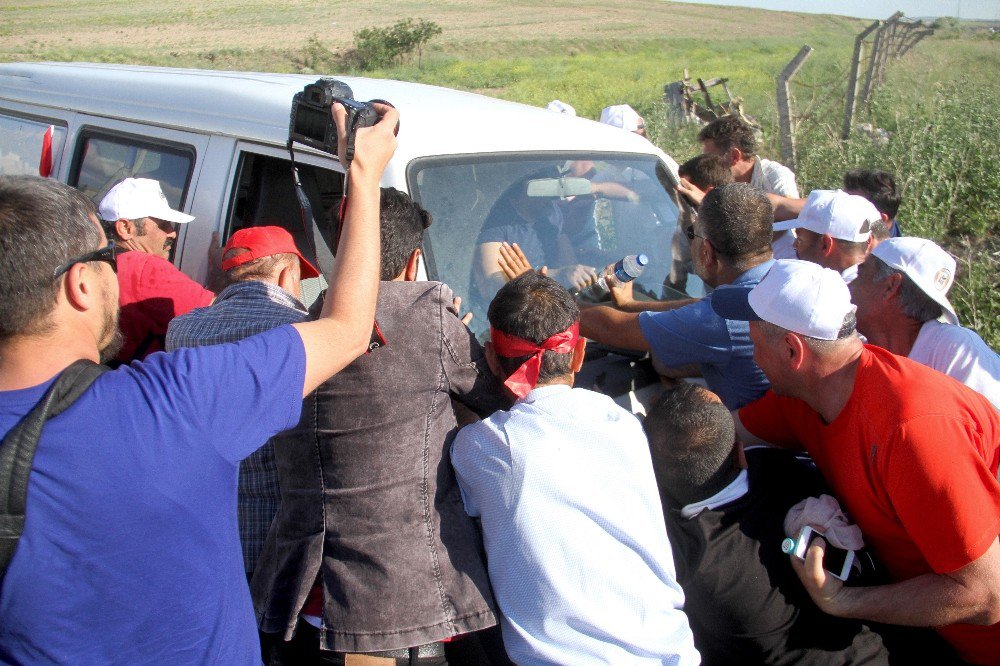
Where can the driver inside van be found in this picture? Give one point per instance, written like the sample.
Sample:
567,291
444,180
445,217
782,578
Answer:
560,230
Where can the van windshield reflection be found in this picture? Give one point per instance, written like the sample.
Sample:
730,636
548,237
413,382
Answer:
573,213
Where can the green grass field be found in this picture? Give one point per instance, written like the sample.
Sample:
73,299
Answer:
941,102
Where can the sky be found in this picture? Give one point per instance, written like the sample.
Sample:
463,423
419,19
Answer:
875,9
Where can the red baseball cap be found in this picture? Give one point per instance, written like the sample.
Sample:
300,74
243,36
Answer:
263,242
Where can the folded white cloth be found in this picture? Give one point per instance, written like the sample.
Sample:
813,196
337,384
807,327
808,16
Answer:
824,515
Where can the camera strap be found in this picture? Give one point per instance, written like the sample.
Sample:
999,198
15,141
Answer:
314,236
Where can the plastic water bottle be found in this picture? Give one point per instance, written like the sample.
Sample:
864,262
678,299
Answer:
627,269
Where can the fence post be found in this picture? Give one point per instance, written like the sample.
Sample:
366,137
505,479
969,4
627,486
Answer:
788,155
916,38
872,65
890,27
852,81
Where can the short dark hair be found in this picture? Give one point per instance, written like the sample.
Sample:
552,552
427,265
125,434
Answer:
43,224
111,228
705,171
534,307
691,438
728,132
738,220
403,222
879,187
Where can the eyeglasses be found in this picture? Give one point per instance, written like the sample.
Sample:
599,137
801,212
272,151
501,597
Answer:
691,235
106,254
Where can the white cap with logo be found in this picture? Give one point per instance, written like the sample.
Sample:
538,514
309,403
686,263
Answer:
623,116
796,295
136,198
835,213
923,261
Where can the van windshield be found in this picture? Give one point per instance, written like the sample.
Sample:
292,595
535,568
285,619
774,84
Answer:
573,213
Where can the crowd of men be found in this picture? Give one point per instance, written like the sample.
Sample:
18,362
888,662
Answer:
366,483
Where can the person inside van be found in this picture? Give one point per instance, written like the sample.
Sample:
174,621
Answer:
152,291
537,225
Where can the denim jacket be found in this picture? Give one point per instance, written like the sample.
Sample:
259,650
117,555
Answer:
369,501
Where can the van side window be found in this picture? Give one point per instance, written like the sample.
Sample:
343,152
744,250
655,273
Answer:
102,162
264,195
21,145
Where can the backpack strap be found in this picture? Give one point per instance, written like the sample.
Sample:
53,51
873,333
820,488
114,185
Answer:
17,452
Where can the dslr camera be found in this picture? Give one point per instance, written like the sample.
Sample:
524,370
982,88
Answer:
311,122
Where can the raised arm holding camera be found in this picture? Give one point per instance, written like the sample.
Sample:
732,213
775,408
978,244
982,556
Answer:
130,541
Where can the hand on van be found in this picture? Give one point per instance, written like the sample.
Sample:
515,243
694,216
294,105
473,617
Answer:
512,261
691,192
373,146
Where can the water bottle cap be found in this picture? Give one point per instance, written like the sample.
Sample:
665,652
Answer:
642,260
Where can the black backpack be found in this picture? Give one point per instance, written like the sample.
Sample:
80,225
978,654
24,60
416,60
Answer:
17,452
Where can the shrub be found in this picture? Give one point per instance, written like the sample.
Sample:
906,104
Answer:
382,47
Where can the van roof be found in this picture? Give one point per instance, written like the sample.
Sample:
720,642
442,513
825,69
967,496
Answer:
255,106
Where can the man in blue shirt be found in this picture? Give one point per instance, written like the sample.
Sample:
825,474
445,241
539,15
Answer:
130,551
730,245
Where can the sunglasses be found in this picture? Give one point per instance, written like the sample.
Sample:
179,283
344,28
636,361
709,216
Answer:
106,254
691,235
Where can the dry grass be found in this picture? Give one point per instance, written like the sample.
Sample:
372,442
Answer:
147,28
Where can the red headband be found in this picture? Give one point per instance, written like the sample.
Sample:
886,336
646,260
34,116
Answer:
509,346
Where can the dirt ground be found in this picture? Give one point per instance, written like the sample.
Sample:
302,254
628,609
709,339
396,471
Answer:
187,25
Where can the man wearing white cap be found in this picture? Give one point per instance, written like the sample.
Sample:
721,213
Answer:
902,295
833,230
910,453
152,291
625,117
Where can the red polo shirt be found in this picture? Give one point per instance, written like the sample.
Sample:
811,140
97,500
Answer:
152,291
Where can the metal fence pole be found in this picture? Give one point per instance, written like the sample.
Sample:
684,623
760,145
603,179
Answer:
852,81
788,155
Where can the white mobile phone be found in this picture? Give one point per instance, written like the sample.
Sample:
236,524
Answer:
836,561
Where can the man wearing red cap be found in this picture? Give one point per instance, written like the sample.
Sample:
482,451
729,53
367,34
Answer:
264,269
576,546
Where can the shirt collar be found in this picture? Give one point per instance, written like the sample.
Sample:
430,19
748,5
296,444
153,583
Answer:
753,275
545,391
735,490
272,292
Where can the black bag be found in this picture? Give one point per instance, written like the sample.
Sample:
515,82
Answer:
17,452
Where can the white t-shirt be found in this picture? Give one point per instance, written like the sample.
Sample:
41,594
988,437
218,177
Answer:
575,539
776,178
959,353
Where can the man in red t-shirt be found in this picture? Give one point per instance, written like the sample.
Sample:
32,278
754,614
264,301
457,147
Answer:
912,454
152,291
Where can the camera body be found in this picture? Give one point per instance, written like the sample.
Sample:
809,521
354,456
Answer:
311,122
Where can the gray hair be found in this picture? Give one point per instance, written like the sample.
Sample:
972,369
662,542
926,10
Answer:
848,329
914,303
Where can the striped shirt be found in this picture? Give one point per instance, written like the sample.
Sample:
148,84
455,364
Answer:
241,310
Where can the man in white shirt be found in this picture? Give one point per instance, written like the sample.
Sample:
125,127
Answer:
733,140
577,550
902,295
833,230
